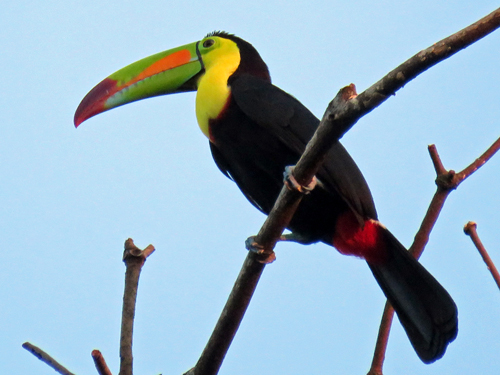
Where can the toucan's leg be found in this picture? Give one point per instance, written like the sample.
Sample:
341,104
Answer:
292,184
254,246
299,238
264,256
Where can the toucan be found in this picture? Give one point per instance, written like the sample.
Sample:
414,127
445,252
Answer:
255,130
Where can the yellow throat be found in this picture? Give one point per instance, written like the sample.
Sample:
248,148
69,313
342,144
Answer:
221,60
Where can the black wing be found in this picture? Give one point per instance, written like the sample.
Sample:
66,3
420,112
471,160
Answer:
286,118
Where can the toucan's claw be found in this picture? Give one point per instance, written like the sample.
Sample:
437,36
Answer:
292,184
254,246
299,238
264,256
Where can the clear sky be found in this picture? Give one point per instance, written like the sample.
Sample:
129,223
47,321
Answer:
69,198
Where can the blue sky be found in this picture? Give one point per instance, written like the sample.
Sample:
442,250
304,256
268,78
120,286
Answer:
69,198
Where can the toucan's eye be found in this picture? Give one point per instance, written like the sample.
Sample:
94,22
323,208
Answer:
208,43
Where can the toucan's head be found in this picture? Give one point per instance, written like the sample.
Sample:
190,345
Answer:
179,69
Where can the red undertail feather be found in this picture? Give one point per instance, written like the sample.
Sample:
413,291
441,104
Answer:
365,241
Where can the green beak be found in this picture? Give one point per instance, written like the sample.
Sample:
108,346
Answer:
164,73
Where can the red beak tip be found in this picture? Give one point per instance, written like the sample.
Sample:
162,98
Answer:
78,120
93,103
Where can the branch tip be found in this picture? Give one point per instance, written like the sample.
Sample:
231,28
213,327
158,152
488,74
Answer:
46,358
134,258
436,160
100,363
132,251
469,228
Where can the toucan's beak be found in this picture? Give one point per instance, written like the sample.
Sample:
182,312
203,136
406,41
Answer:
166,72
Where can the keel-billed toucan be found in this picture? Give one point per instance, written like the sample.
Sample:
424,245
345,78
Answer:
255,131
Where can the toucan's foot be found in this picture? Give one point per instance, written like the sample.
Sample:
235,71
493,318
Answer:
254,246
264,256
299,238
292,184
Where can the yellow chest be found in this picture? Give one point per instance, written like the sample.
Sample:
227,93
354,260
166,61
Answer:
213,91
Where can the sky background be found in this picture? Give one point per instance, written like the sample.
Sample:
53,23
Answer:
70,198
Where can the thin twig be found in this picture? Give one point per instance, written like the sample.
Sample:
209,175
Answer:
382,339
446,181
44,357
436,160
100,363
479,162
134,259
470,229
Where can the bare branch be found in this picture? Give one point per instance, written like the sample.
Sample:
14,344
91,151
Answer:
470,229
134,259
444,187
100,363
382,340
479,162
231,317
44,357
436,160
446,181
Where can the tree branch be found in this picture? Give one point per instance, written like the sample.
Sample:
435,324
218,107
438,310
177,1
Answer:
44,357
100,363
134,259
231,317
470,229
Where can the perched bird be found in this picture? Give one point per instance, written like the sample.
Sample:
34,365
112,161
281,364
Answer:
255,130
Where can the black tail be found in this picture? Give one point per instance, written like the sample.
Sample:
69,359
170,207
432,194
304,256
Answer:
425,309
